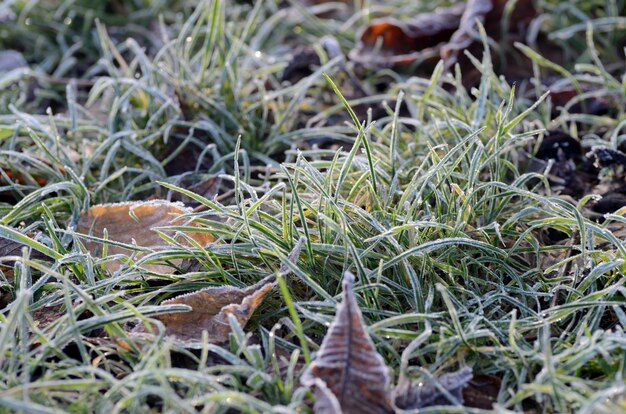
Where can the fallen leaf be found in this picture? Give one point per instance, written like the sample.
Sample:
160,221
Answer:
20,178
136,223
349,376
37,172
209,312
423,394
199,184
348,364
393,42
442,33
10,247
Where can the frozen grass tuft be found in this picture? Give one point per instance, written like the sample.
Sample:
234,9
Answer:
434,211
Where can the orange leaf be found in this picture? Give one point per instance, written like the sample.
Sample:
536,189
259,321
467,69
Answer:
135,222
443,33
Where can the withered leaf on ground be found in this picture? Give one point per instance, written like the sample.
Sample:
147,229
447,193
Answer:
209,312
349,365
35,172
211,307
349,376
136,222
393,42
443,33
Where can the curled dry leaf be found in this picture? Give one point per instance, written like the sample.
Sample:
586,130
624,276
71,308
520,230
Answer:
209,312
136,223
348,364
443,33
426,394
211,307
393,42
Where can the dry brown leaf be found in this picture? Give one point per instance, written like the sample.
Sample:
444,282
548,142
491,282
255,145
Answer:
393,42
25,175
443,33
349,376
209,312
135,223
348,365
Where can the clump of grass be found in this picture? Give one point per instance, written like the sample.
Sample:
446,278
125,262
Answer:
434,212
